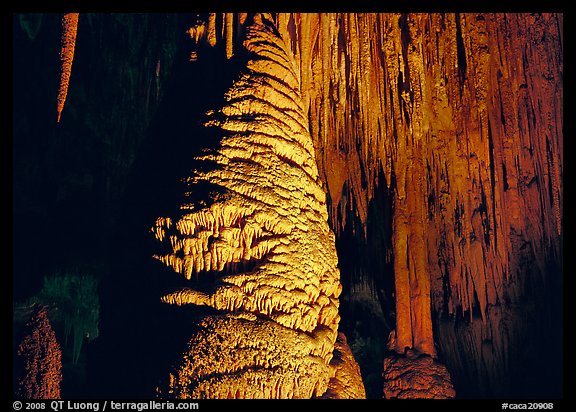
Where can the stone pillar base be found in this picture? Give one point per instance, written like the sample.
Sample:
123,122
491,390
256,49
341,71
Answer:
416,376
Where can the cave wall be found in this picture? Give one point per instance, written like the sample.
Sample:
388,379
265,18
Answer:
463,115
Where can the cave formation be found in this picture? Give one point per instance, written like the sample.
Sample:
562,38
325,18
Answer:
263,242
438,145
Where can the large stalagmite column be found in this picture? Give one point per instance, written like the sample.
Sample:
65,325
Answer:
254,243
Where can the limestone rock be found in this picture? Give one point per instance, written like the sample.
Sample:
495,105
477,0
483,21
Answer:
413,376
243,357
262,242
38,366
460,116
347,381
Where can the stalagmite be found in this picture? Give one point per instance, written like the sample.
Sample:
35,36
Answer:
268,339
38,366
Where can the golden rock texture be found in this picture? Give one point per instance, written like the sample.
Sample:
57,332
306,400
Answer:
68,44
461,116
264,242
347,381
236,356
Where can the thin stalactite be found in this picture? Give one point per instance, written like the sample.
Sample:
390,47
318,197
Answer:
68,44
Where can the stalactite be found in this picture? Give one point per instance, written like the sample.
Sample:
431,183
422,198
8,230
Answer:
68,43
229,34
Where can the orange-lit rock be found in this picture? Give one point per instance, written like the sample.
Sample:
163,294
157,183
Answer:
463,115
265,240
38,367
68,44
416,376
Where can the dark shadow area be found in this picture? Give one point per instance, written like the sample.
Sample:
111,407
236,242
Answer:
142,336
531,327
88,190
367,303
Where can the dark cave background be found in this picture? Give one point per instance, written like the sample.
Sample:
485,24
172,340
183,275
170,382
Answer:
85,189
